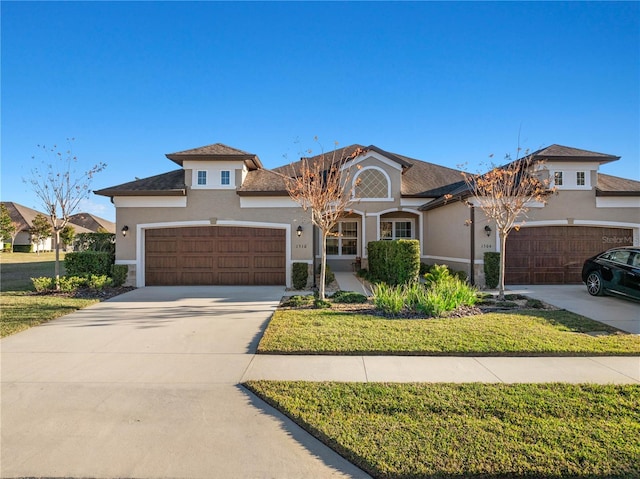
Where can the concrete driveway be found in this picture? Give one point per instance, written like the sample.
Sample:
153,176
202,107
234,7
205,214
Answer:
618,312
146,386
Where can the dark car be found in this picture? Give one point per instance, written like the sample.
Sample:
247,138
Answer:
615,271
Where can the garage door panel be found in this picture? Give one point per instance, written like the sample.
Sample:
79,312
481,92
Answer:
215,255
555,254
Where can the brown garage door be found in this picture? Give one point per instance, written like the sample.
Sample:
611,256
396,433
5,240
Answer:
211,255
554,254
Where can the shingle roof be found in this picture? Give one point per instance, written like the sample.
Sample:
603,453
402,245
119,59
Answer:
329,158
165,184
614,186
263,182
22,215
566,153
92,222
216,152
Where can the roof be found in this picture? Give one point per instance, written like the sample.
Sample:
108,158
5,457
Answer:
92,222
165,184
614,186
263,183
566,153
22,215
418,180
216,152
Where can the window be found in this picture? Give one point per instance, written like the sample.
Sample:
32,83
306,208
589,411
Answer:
557,178
396,229
202,177
343,239
371,183
225,178
580,179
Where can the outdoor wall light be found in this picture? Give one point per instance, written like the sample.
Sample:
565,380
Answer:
124,230
299,231
487,229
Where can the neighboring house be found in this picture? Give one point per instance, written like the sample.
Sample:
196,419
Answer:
91,223
23,216
222,218
81,223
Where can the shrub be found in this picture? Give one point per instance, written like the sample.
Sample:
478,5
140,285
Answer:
43,283
103,242
448,294
69,284
348,297
329,276
394,262
23,248
298,301
436,273
424,268
88,262
98,282
300,275
535,303
7,247
119,273
491,269
389,299
321,303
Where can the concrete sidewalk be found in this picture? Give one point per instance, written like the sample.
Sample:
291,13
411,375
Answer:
454,369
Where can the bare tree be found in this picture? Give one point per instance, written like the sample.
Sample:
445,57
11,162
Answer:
60,189
506,193
40,230
322,186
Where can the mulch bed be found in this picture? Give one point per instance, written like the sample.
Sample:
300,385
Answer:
86,293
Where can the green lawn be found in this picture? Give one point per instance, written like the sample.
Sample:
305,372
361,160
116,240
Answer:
19,310
470,430
316,331
18,268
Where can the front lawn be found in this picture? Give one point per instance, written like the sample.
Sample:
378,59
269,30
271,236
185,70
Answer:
21,310
552,333
403,431
19,268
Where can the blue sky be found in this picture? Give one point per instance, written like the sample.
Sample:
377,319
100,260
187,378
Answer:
449,83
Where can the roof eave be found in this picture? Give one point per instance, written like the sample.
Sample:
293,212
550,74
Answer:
617,193
252,161
112,193
262,193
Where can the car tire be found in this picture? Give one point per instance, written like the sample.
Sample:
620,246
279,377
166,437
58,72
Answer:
594,284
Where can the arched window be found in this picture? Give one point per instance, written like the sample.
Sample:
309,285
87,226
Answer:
371,183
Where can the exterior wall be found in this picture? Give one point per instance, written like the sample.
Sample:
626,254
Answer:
205,207
447,239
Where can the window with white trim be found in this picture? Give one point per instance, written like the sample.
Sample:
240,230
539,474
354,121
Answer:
396,229
343,239
580,178
202,177
225,177
557,178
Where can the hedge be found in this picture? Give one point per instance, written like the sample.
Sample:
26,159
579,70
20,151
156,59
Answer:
491,269
300,275
23,248
394,262
104,242
88,262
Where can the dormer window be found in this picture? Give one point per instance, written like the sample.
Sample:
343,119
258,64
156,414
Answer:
225,177
580,178
202,178
557,178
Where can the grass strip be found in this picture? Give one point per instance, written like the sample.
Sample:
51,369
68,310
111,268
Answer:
537,333
410,431
21,310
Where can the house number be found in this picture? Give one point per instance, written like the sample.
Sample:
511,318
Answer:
486,246
301,246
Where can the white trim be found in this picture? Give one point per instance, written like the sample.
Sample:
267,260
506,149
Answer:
376,156
142,227
267,202
606,224
126,261
150,201
415,201
618,202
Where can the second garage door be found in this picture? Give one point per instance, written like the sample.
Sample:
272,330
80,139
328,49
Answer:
215,255
555,254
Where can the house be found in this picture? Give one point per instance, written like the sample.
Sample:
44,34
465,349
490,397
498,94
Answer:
222,218
23,216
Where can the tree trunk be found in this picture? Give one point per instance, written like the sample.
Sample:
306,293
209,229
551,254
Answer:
503,245
323,264
57,263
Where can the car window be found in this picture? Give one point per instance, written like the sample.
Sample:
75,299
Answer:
635,260
620,256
